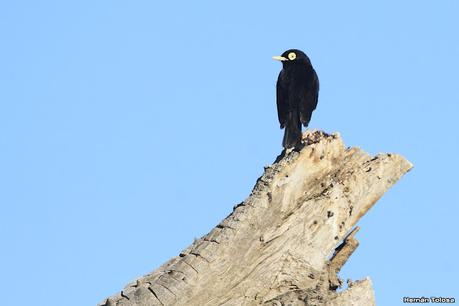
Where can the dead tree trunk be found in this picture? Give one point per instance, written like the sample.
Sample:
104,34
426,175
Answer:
285,244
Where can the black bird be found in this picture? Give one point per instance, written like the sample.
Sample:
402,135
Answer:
297,94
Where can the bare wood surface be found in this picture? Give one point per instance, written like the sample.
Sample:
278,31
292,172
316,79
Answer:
287,241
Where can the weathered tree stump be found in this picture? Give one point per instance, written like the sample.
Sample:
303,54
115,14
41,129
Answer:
285,244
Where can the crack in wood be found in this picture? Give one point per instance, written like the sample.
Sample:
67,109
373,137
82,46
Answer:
200,256
190,266
222,226
211,240
183,279
154,293
124,295
164,286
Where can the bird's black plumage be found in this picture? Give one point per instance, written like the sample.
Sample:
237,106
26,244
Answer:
297,94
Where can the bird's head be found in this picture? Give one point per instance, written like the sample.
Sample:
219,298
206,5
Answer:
293,57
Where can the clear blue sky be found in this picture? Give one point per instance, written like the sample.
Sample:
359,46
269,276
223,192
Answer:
128,128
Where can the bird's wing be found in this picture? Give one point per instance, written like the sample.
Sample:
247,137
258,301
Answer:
310,98
282,103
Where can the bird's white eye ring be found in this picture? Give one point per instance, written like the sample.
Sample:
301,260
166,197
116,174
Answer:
291,56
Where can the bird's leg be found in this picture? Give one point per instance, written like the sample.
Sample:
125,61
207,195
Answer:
300,145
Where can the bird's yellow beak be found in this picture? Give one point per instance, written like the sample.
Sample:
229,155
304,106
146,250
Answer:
280,58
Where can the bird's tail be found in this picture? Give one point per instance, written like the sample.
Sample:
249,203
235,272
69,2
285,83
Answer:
292,135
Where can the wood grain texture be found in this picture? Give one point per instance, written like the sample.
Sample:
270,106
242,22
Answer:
275,247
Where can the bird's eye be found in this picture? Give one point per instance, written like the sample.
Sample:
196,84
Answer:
291,56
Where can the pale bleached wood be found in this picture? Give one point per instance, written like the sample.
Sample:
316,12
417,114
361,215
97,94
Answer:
275,248
359,293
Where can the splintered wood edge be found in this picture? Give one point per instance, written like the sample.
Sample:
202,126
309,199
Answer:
340,257
359,293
